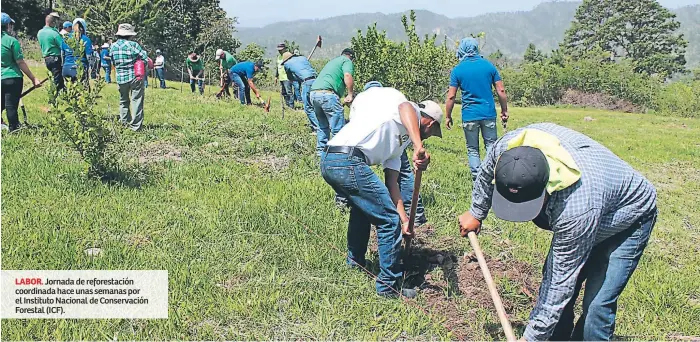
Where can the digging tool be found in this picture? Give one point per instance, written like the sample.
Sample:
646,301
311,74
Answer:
267,105
24,111
412,213
510,336
319,42
32,88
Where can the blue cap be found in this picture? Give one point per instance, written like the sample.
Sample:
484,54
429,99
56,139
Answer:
372,84
6,19
67,24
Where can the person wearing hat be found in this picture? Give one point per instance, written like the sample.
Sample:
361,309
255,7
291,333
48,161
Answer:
12,65
124,53
330,86
70,68
298,69
281,76
226,62
106,62
159,66
67,28
601,213
406,176
476,76
50,41
383,124
195,68
242,74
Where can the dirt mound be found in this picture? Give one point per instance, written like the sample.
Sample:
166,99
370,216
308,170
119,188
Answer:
158,152
598,100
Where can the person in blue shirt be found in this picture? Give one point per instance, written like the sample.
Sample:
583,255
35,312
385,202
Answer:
242,74
475,76
299,70
106,62
70,68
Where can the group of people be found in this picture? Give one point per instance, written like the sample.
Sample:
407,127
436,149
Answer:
601,211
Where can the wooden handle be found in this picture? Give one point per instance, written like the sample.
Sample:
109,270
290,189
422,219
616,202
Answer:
510,336
414,201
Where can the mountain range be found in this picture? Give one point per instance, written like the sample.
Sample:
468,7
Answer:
509,32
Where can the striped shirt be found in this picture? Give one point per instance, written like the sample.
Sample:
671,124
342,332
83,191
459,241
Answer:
609,198
124,54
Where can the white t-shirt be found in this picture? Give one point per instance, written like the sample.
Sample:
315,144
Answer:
160,61
375,127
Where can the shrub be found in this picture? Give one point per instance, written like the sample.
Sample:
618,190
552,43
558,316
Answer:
680,99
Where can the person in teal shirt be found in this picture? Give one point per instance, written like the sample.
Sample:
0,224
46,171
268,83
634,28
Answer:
12,65
328,88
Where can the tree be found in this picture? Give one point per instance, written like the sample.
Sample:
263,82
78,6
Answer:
641,30
498,59
532,54
27,15
292,46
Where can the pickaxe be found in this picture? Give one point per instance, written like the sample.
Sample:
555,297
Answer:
319,42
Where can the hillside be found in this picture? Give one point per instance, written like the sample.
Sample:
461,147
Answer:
510,32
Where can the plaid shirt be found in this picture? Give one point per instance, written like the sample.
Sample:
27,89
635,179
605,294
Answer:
609,198
124,54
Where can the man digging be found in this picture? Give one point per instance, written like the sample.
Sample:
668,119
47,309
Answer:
600,210
384,123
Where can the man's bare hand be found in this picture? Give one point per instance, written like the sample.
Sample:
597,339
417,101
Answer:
504,116
467,223
405,231
421,158
36,82
448,123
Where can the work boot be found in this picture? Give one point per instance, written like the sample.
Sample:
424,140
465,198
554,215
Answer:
408,293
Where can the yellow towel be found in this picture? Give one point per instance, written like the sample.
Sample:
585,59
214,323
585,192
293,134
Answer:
563,171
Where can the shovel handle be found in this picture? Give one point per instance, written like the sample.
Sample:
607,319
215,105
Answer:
510,336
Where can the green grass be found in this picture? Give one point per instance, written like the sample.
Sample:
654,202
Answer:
226,222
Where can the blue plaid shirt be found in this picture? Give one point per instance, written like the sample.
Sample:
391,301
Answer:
609,198
124,54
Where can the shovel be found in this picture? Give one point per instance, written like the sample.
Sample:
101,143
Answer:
412,213
510,336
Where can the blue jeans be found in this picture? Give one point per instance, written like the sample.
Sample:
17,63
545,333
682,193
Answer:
108,70
330,116
471,134
145,80
200,83
606,273
160,72
406,182
297,91
287,93
308,107
243,88
370,203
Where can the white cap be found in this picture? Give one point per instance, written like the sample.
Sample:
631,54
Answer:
433,110
218,53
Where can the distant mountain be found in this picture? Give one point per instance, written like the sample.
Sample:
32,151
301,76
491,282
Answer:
510,32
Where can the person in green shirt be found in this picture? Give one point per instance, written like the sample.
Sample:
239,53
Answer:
226,62
195,68
12,65
50,41
281,76
326,92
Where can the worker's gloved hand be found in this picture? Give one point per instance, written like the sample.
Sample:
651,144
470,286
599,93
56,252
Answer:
421,159
467,223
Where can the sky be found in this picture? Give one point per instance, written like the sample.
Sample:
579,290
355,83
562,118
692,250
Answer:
256,13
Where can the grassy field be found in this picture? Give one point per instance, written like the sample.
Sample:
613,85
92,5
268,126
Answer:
225,198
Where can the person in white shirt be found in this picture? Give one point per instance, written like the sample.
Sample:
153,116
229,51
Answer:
383,124
160,67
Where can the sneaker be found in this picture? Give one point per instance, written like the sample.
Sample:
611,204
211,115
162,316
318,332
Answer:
408,293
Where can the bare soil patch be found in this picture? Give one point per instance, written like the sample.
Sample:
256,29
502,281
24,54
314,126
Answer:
160,151
598,100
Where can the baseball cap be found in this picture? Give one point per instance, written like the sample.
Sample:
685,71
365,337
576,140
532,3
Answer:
105,45
82,22
349,52
67,24
6,19
281,46
218,53
433,110
54,14
260,65
372,84
521,178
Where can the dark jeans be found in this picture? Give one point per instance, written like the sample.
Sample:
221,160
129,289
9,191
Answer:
471,135
287,93
160,72
606,273
11,90
370,203
406,182
243,87
199,82
55,66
